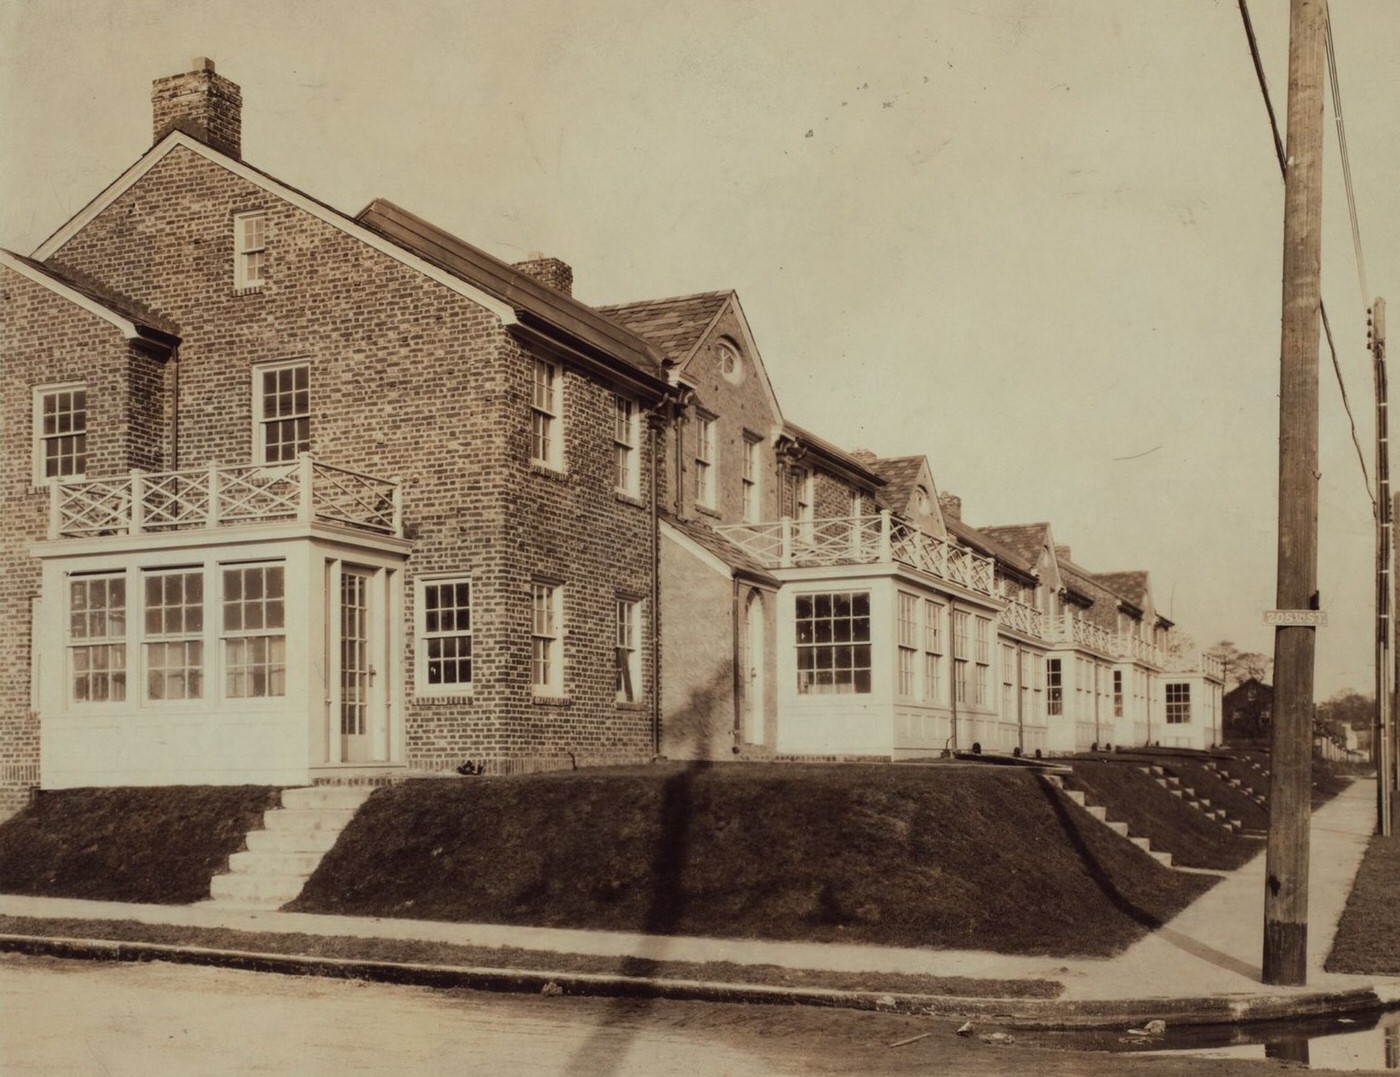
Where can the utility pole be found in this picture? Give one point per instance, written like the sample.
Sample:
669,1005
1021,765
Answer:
1286,863
1382,747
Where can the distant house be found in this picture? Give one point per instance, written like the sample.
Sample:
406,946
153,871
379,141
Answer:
1249,711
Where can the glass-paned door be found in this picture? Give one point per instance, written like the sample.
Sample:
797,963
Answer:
357,671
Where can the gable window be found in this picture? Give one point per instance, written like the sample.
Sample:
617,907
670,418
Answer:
629,673
908,642
250,247
97,638
1178,704
546,663
626,458
546,423
752,469
833,643
705,461
730,365
933,651
282,411
174,641
254,632
60,432
445,636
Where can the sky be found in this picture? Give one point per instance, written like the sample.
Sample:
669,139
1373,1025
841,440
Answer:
1038,241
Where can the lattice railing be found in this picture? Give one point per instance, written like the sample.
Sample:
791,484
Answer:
1022,618
1083,633
217,496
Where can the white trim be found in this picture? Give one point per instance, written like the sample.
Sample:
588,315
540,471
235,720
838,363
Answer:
259,414
690,546
165,146
126,325
242,248
37,456
421,688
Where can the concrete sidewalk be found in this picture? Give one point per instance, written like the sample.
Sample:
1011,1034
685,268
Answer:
1212,948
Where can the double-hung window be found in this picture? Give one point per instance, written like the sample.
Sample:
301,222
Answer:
254,631
546,415
982,697
753,468
629,671
705,461
546,659
833,643
626,454
1008,682
445,636
250,250
174,641
60,432
1178,704
97,638
933,651
908,643
1118,693
282,411
1055,701
960,655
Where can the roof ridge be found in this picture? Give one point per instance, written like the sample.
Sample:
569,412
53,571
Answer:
725,292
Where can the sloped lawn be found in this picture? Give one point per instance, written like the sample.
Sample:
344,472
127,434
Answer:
1368,938
938,856
1218,791
158,845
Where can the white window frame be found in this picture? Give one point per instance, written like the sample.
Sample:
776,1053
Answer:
422,684
227,636
706,453
854,675
627,426
41,440
158,637
907,620
1008,682
547,414
933,651
1054,687
262,421
750,481
628,654
111,643
1178,710
250,242
547,638
982,684
1119,696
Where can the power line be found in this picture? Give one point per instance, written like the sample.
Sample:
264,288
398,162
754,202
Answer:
1283,170
1346,162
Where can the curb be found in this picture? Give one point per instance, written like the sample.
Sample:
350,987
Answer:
1024,1014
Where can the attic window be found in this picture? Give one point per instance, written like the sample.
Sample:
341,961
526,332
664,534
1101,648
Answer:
250,250
730,364
923,503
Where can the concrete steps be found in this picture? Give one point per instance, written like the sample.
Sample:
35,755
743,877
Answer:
281,857
1099,812
1172,784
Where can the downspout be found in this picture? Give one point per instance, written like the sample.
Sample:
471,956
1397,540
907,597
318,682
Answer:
952,680
1020,700
654,435
175,407
738,676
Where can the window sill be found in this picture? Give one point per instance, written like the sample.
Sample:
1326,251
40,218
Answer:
551,701
548,471
707,510
629,499
432,699
631,705
248,289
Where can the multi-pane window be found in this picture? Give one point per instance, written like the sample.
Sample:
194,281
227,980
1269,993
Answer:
833,643
254,631
97,638
1118,693
546,606
626,457
933,651
1008,682
60,432
250,243
705,461
283,404
753,468
1023,671
1178,703
628,656
174,640
546,425
983,654
446,634
960,655
802,497
1054,684
908,643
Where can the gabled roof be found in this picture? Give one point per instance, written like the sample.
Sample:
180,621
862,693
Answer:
1026,539
1128,585
135,321
717,546
675,325
901,475
984,543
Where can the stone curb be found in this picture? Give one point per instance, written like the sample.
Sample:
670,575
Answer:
1018,1013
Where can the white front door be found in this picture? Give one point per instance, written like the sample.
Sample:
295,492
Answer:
359,683
753,731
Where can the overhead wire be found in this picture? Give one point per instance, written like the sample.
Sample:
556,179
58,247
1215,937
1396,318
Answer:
1346,162
1356,235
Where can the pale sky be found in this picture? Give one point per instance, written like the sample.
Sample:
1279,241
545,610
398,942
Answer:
1038,241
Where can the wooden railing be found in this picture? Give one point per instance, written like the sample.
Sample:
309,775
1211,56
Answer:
1081,633
143,502
1023,618
1193,661
859,540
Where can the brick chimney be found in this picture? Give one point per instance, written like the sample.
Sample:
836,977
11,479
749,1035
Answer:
550,272
204,105
1062,553
951,504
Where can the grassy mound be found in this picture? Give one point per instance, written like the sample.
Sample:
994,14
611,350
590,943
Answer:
158,845
930,856
1167,821
1221,794
1368,938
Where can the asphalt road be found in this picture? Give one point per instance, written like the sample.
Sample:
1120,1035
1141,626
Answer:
78,1018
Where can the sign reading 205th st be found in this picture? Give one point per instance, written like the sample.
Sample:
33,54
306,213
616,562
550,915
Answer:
1296,618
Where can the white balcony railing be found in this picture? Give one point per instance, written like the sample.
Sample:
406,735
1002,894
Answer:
216,496
1194,661
1023,618
860,540
1068,628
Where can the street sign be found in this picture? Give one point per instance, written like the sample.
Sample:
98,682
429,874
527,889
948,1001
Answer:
1296,618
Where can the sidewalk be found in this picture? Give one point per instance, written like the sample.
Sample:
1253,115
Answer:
1212,949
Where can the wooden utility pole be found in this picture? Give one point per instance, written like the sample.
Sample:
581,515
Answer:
1382,748
1286,864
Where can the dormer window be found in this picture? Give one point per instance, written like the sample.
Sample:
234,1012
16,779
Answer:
250,250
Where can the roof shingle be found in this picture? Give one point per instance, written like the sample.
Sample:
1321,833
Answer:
674,325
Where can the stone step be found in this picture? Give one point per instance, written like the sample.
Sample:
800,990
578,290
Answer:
1165,859
262,891
262,862
1141,843
1097,811
292,841
302,819
326,796
1117,827
1076,796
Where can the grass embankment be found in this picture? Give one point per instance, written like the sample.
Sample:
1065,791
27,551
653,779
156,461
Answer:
931,856
1328,779
1154,813
1221,794
159,845
403,951
1368,938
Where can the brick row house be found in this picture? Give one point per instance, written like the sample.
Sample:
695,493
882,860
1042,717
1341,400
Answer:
291,495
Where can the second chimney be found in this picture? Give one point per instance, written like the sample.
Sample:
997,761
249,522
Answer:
202,104
951,504
550,272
